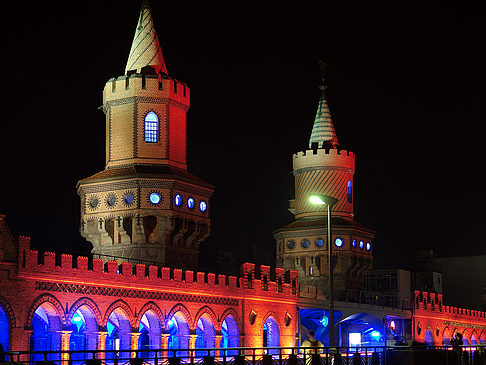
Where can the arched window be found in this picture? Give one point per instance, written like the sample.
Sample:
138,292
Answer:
349,191
151,127
231,335
270,335
428,338
46,336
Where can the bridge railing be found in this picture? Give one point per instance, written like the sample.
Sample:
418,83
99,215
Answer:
379,355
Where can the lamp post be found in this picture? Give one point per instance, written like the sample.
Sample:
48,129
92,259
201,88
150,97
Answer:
319,199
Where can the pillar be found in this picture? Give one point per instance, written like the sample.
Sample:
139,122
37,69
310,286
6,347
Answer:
120,235
192,346
102,343
138,233
217,344
135,336
65,337
165,345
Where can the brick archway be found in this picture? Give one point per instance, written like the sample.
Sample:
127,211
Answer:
153,307
52,300
123,306
234,314
10,313
185,313
211,315
88,303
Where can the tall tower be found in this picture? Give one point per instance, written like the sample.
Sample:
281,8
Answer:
145,204
324,169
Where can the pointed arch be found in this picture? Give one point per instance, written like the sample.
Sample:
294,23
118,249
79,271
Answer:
88,303
474,338
274,316
482,338
234,314
122,305
10,313
153,307
206,310
183,310
446,336
53,301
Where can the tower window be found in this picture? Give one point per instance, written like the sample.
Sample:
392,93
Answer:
349,191
151,127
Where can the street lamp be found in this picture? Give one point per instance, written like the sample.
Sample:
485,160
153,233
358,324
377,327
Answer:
319,199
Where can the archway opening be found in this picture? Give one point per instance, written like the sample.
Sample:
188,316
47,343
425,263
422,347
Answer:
46,336
271,337
474,339
83,336
446,337
364,329
482,338
465,338
429,338
178,329
205,335
119,333
150,334
4,333
231,335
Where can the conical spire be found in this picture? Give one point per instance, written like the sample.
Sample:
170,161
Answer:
323,132
145,49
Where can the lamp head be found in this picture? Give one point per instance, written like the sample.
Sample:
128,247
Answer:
319,199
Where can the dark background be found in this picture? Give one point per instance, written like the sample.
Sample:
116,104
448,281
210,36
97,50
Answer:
405,88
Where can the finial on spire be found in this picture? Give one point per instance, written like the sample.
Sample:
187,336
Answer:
323,133
145,50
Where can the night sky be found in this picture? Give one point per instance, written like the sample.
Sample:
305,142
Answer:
405,88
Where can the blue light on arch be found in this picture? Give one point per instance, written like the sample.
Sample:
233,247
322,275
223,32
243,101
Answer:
4,331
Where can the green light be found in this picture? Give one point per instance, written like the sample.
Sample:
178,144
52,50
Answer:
316,199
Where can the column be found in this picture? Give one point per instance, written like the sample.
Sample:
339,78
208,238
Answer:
165,346
135,336
217,344
65,337
120,234
101,344
192,346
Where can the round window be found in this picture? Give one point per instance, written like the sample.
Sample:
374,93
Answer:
110,200
155,198
178,200
190,203
368,246
319,242
361,244
338,242
305,243
354,242
94,201
128,198
291,244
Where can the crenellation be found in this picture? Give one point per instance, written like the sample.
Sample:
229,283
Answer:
98,266
211,279
177,274
49,260
165,273
153,272
189,276
200,277
140,271
222,280
111,267
82,263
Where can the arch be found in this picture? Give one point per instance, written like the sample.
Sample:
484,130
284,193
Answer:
429,337
465,337
474,338
83,318
234,314
180,308
446,336
5,326
482,338
9,311
209,312
206,334
149,324
122,305
119,327
270,333
46,326
52,300
230,332
150,306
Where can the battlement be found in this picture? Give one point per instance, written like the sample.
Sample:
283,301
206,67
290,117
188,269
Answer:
324,158
146,85
49,266
434,302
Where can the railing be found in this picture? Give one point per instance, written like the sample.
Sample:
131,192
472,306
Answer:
379,355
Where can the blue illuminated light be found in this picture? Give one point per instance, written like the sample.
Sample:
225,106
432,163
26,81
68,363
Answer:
338,242
128,199
324,321
368,246
178,200
203,206
154,198
319,242
305,243
190,203
354,242
77,318
361,244
375,334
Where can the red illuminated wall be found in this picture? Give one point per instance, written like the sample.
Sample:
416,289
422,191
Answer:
67,284
442,321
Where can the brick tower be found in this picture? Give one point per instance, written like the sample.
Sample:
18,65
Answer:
145,205
301,245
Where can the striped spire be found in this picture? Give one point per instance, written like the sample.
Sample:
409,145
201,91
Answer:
323,132
145,49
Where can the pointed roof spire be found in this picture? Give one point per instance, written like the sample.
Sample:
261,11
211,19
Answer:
145,49
323,132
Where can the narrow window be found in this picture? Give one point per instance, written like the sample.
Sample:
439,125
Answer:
349,191
151,127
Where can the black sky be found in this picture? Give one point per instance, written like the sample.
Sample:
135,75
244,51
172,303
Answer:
405,88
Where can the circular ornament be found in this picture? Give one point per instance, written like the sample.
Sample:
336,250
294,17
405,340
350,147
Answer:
354,242
203,206
93,202
305,243
368,246
319,242
178,200
190,203
110,200
291,244
361,244
155,198
128,198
